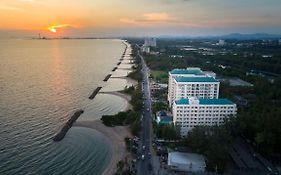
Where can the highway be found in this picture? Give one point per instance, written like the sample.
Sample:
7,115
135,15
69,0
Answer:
144,165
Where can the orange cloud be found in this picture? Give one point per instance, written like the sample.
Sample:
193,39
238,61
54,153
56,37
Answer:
128,21
55,27
149,18
157,17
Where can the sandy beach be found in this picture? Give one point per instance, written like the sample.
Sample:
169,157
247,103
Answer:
130,80
115,135
122,95
134,82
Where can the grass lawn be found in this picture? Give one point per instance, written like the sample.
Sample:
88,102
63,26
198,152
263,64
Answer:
160,76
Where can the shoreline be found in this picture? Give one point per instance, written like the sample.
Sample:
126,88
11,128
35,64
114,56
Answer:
121,95
115,135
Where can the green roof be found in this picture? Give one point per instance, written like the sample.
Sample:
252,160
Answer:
203,101
183,101
187,71
219,101
195,79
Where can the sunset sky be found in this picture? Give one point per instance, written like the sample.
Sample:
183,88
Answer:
82,18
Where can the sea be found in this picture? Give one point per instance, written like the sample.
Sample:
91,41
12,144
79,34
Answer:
42,83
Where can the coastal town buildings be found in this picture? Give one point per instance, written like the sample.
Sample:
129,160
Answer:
221,42
145,49
193,111
192,82
150,42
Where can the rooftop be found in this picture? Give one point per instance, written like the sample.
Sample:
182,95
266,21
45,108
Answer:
176,158
219,101
183,101
203,101
166,119
195,79
195,71
163,118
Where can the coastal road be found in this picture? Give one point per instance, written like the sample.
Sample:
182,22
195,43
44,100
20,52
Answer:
144,166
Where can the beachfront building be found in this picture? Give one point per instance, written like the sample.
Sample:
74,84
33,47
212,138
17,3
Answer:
192,82
193,111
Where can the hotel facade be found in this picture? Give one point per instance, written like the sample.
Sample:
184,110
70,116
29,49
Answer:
194,97
192,82
193,111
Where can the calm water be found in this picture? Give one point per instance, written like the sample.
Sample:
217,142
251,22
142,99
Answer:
42,82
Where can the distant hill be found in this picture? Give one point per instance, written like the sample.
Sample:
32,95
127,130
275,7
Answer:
255,36
237,36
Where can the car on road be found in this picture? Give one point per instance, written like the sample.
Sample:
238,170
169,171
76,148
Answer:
143,147
142,157
149,155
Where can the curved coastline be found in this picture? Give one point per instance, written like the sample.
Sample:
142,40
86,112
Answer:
115,135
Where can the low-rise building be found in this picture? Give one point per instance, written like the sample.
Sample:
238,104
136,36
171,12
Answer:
145,49
154,87
163,118
186,162
193,111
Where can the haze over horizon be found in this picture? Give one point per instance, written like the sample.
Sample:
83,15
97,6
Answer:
93,18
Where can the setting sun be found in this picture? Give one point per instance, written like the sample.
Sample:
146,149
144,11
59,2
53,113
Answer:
53,30
55,27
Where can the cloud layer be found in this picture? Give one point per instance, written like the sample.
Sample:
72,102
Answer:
138,16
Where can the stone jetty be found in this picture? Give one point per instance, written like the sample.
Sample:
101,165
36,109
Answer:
107,77
96,91
59,136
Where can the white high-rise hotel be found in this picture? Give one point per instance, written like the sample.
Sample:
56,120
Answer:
192,82
193,111
194,97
